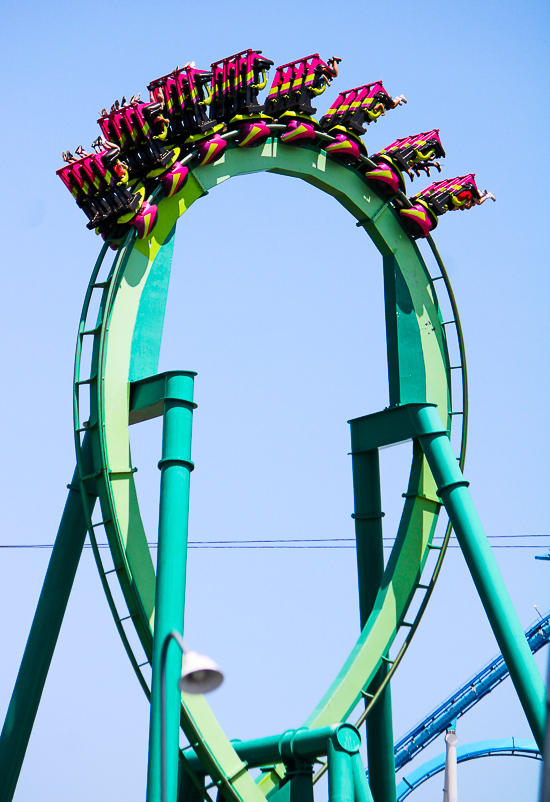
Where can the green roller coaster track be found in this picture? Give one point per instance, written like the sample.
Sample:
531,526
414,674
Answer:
120,388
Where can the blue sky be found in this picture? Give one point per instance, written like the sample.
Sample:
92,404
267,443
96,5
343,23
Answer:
286,333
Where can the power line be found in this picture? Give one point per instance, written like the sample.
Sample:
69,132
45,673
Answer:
290,543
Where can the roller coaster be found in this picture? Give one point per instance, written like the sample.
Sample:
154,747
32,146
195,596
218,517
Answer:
504,747
151,162
462,700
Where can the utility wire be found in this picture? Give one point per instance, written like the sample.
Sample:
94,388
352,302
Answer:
291,543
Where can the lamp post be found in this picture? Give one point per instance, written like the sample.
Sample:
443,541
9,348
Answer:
200,674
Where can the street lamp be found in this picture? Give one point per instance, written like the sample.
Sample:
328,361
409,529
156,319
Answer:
200,674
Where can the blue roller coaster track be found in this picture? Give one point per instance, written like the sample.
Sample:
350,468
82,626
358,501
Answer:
505,747
463,699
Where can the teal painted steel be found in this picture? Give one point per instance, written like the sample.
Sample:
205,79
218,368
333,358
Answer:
406,373
293,746
175,467
121,309
360,781
161,676
370,570
297,786
380,751
368,528
423,422
44,632
127,274
454,493
140,277
340,774
150,317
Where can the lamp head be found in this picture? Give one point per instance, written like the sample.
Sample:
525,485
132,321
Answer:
200,674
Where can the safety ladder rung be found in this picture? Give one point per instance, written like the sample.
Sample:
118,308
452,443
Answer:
86,381
101,523
456,413
100,285
110,571
436,548
76,488
448,322
387,660
90,331
455,367
90,476
423,587
86,426
126,617
420,496
406,624
228,780
367,695
437,278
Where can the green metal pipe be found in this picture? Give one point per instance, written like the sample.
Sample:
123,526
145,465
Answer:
175,467
360,783
368,528
340,774
370,569
293,746
297,785
44,632
380,749
454,493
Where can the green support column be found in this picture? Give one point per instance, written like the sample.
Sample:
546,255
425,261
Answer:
454,493
175,467
370,569
360,782
341,748
45,628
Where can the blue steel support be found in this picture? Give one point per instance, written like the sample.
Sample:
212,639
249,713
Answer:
175,467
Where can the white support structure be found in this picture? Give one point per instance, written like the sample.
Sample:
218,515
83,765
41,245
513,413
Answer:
450,787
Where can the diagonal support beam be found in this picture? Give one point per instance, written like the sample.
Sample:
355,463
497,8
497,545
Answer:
423,423
45,628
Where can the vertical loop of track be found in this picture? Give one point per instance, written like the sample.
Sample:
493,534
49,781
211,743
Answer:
99,331
81,427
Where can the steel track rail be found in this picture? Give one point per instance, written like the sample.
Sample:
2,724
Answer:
80,427
505,747
463,699
103,478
